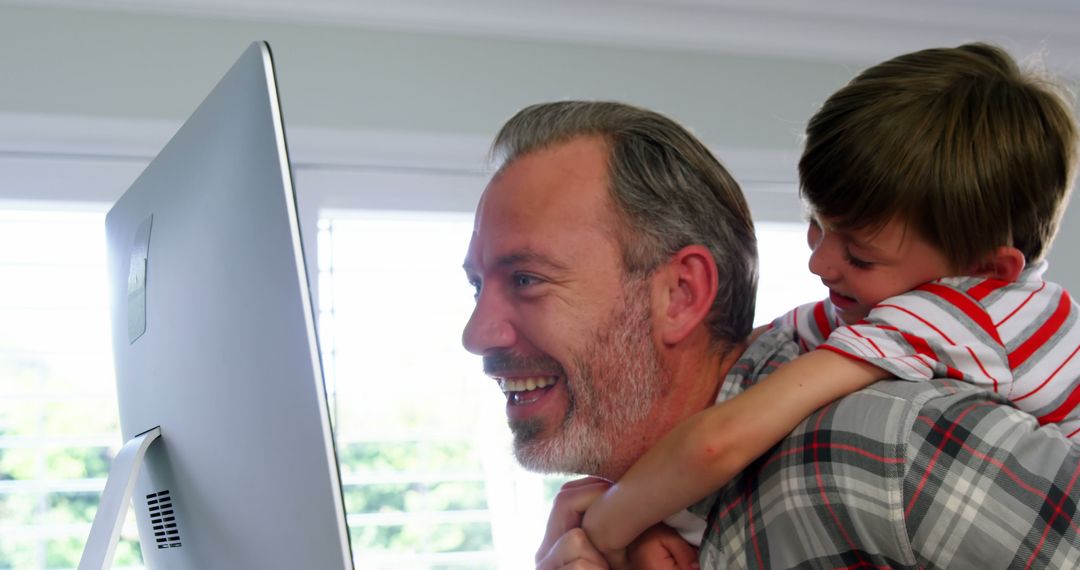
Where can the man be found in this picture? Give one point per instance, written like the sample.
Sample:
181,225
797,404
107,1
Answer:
614,264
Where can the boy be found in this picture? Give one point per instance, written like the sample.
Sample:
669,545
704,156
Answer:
934,164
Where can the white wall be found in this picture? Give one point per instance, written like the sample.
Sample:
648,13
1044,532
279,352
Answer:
103,91
63,61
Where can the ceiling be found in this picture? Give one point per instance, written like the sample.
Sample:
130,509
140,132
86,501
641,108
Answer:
857,31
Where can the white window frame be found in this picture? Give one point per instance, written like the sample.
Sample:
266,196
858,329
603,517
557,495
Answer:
87,163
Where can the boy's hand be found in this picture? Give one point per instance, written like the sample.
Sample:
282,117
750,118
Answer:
564,541
572,551
661,548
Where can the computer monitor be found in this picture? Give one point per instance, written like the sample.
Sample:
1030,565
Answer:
215,345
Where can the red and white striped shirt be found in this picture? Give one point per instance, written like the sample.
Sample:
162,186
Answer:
1019,339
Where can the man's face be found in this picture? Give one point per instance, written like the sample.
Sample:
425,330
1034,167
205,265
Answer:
561,329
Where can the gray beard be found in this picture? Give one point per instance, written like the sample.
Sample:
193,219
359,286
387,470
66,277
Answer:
614,381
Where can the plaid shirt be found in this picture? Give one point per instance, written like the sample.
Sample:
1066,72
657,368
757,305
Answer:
936,474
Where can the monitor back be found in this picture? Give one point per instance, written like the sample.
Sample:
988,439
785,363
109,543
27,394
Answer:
214,341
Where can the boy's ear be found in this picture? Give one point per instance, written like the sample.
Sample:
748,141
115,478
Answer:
1004,263
683,291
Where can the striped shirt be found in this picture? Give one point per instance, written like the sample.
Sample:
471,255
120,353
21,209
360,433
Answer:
1018,339
898,475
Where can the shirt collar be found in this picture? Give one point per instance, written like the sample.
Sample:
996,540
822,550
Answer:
771,350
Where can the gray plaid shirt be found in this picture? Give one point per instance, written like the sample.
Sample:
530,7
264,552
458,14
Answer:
899,475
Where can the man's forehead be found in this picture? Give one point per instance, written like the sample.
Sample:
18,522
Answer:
545,202
523,256
567,179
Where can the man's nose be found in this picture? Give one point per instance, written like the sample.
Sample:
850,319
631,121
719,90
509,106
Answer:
489,327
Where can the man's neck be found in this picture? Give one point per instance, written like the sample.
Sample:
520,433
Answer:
695,380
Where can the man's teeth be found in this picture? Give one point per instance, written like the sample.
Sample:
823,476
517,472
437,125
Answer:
525,384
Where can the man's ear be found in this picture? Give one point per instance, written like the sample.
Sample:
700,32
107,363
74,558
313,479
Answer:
1004,264
683,292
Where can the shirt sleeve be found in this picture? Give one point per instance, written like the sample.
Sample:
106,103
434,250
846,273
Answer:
689,524
809,324
934,331
1004,488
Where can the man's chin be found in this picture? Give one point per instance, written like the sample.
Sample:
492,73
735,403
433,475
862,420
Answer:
532,459
525,431
529,448
563,452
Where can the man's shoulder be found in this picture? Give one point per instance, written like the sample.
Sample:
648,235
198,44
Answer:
932,397
881,467
916,418
877,431
891,415
775,348
885,468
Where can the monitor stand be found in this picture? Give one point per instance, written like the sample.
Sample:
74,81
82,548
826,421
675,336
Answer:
115,500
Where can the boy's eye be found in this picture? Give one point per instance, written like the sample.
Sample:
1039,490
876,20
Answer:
857,262
814,234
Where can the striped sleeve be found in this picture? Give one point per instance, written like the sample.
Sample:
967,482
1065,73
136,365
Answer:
1039,325
809,324
935,331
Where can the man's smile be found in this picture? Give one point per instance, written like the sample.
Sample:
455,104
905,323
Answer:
525,389
524,380
533,396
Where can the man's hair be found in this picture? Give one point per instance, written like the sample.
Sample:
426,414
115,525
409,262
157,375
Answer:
963,146
669,192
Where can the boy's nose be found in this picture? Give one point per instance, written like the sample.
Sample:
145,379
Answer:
823,260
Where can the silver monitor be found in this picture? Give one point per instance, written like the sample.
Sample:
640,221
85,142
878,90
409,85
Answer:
215,348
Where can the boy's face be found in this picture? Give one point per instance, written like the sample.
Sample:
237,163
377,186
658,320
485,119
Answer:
863,268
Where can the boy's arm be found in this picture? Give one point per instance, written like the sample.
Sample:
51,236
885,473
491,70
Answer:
711,447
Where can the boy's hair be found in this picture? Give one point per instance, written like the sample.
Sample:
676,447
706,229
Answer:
959,143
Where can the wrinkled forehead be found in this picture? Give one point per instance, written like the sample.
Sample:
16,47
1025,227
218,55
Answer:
552,198
567,182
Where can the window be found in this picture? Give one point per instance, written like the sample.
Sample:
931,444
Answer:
784,281
428,475
426,463
429,479
58,419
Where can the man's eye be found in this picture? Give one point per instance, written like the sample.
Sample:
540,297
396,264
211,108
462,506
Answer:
475,283
522,280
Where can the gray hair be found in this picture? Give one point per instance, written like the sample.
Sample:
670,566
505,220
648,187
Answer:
669,192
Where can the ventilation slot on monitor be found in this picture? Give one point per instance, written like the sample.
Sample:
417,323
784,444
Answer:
163,520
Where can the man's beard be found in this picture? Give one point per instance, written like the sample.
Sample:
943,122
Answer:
612,385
